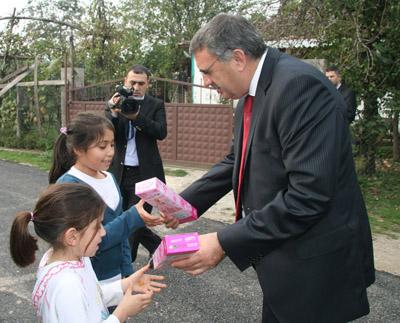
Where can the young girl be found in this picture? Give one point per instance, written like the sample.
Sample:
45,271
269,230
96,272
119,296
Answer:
82,154
68,217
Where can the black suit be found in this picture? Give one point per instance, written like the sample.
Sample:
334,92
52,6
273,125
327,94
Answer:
306,230
150,126
350,98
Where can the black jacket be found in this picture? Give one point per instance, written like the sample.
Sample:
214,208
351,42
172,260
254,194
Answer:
151,125
350,98
306,230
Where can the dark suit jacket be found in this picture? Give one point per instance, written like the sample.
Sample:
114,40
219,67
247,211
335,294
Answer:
151,125
350,98
306,231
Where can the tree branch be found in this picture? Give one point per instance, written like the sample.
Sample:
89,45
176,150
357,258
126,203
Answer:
62,23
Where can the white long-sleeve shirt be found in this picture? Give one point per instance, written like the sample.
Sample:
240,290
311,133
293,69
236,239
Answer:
68,291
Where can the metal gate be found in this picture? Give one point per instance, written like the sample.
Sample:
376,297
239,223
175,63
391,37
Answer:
198,134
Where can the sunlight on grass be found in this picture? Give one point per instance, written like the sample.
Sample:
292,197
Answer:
382,197
40,160
175,172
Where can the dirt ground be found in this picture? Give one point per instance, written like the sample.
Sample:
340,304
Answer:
386,250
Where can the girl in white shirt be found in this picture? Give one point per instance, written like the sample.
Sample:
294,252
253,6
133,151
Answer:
68,217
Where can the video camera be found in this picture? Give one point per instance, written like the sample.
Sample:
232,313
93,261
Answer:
127,102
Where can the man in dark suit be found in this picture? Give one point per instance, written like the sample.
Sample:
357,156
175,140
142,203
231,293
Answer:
301,219
333,74
137,156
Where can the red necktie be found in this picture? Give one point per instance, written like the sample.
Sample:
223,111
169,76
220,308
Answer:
248,105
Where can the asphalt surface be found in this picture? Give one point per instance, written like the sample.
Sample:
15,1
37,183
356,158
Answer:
222,295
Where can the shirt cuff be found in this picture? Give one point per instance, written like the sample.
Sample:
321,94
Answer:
112,319
112,293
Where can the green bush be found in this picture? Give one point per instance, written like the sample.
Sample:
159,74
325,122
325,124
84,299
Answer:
29,140
385,152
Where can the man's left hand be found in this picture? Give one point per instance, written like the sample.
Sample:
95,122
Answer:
130,116
209,255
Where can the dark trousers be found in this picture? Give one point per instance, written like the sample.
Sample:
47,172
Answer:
144,236
267,314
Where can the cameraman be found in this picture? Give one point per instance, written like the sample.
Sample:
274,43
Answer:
137,129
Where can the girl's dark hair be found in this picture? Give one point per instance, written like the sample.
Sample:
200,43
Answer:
60,207
84,130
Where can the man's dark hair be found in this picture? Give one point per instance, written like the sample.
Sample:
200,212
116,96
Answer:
224,33
333,68
139,69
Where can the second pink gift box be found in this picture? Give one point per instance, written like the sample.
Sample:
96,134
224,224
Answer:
175,246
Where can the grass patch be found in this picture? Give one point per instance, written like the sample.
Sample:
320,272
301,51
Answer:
382,197
381,192
175,172
41,160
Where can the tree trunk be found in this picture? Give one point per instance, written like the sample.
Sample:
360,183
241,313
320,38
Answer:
395,134
72,59
368,135
8,37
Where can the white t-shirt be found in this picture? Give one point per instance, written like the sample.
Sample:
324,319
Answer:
68,291
105,187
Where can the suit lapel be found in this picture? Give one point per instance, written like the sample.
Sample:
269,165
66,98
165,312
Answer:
143,105
264,81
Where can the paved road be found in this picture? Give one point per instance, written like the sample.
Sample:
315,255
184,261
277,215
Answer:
222,295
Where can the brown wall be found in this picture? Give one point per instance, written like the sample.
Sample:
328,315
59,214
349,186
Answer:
197,134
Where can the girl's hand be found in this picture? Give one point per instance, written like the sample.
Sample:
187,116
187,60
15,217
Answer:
170,221
141,283
148,219
132,304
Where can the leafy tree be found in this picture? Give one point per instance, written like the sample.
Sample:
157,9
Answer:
361,37
50,39
97,48
166,27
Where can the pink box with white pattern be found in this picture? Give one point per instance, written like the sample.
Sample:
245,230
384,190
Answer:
159,195
175,246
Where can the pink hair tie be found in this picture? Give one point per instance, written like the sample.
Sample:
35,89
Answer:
64,130
32,217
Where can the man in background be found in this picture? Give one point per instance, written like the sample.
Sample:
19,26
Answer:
137,156
333,74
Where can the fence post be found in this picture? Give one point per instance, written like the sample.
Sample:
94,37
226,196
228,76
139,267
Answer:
18,112
36,95
64,92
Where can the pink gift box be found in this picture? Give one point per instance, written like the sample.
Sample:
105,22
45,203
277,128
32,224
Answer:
175,246
159,195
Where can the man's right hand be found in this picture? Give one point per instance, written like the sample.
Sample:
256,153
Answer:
113,105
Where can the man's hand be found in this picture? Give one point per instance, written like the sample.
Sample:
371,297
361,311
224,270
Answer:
114,101
115,110
209,255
